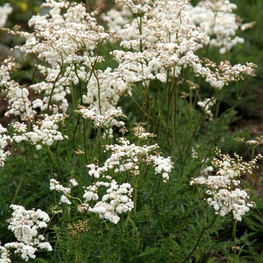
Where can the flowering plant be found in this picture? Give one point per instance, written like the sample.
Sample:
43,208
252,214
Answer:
107,120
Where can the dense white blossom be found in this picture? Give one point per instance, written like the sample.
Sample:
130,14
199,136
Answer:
224,188
116,201
65,200
91,193
63,41
217,20
162,166
45,132
106,120
163,36
104,90
4,255
126,157
25,224
4,139
54,185
17,95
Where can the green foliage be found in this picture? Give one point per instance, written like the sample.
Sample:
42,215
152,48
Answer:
171,221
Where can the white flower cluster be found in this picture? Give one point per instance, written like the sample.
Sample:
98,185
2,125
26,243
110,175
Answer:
206,107
56,186
217,20
154,37
67,30
162,166
106,120
6,68
4,255
25,224
254,142
116,201
224,188
140,132
46,132
136,7
164,36
116,20
127,157
17,95
104,90
5,10
64,42
4,139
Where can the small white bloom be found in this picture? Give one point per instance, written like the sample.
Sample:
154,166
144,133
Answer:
65,200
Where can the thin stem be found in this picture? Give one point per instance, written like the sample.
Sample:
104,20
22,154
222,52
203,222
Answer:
199,239
19,186
54,85
22,177
218,103
135,193
52,159
109,244
234,247
155,119
85,140
174,110
78,252
121,234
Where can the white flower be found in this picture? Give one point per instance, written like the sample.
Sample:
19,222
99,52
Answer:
162,166
217,20
65,200
66,191
55,185
223,188
117,200
106,120
90,196
165,40
206,107
46,131
5,10
4,140
73,182
4,255
25,225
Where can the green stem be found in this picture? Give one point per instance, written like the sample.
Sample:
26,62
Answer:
19,186
85,140
155,119
218,102
52,159
199,239
174,122
234,239
135,188
109,244
78,250
22,177
121,234
54,85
